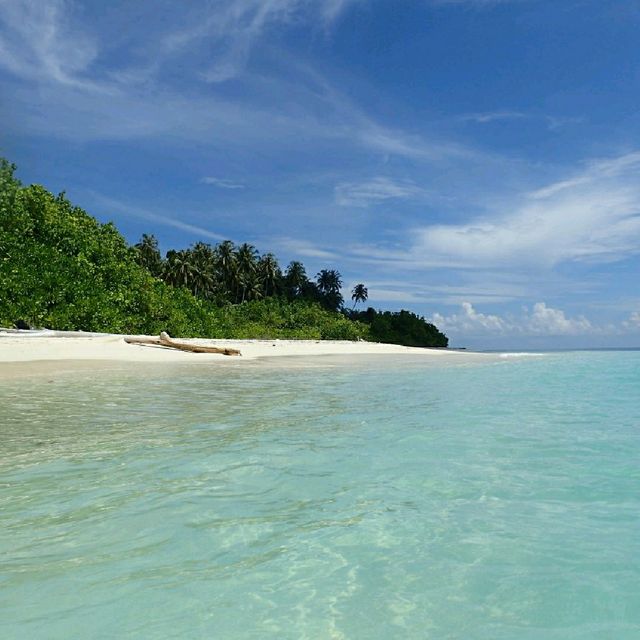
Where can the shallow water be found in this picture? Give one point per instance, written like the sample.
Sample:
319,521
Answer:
385,499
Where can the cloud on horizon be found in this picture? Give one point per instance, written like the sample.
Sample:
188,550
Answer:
541,320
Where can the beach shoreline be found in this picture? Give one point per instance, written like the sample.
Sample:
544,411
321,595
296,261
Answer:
25,351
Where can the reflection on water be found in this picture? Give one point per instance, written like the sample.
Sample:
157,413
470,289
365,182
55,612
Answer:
374,499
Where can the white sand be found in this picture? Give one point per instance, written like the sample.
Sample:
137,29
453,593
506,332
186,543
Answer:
72,346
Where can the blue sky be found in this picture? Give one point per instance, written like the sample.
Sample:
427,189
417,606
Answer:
475,161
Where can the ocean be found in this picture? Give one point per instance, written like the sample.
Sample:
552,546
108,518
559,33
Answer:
369,498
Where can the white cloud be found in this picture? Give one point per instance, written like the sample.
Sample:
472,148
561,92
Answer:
633,322
302,248
222,183
552,122
39,42
42,40
109,205
545,320
593,216
64,96
376,190
231,29
469,321
423,292
542,320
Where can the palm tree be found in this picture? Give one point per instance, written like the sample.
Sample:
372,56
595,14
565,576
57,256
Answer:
178,269
360,293
203,255
269,274
148,255
226,264
295,278
203,261
329,282
254,288
247,258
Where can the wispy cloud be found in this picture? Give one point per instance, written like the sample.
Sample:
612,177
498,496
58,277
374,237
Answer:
222,183
551,122
230,30
592,216
38,41
107,206
420,292
492,116
374,191
65,95
302,248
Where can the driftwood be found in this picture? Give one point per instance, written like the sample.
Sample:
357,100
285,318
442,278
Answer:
165,340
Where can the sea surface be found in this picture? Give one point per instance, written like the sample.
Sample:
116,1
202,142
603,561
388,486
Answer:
369,498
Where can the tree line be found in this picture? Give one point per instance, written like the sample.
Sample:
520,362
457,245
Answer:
230,274
62,269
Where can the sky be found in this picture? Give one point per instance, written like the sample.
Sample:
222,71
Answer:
474,161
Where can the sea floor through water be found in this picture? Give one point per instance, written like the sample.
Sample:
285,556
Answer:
372,498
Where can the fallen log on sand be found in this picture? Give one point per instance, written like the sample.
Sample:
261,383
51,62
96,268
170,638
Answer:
165,340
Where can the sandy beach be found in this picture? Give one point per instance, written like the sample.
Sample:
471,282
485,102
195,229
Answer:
49,347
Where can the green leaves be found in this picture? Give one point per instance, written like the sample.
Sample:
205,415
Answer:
60,268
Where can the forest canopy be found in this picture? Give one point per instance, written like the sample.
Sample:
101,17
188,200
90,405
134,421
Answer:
62,269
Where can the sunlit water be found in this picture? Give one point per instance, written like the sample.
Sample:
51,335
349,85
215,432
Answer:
386,499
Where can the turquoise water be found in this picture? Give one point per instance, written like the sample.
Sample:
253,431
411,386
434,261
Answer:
386,499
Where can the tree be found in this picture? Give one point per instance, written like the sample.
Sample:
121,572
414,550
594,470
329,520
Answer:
226,266
148,255
203,261
360,293
61,268
295,279
247,258
269,274
329,282
178,269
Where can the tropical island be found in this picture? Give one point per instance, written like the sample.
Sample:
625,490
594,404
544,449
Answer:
62,269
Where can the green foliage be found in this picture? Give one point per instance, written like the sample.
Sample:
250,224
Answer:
360,293
328,283
60,268
279,318
400,327
148,255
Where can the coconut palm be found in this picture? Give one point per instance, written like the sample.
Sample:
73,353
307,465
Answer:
329,282
178,269
269,274
360,293
203,260
295,278
226,266
247,259
148,255
254,288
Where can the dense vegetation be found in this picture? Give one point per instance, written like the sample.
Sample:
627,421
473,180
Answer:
60,268
400,327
